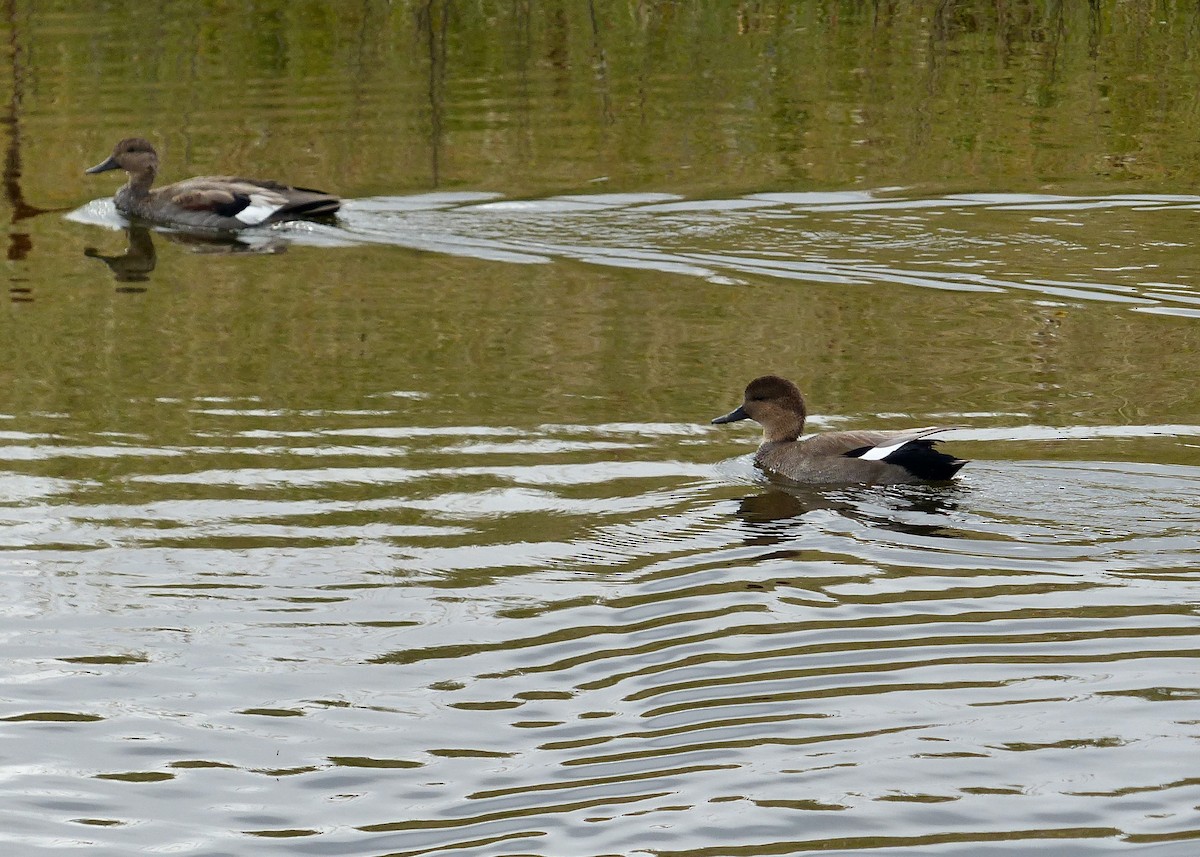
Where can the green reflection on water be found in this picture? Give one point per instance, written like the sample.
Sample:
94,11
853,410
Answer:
533,98
220,503
703,100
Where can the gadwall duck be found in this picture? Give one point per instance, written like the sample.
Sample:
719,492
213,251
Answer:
870,457
207,202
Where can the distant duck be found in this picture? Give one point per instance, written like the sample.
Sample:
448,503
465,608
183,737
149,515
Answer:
207,202
840,457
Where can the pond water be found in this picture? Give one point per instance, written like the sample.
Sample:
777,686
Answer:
409,534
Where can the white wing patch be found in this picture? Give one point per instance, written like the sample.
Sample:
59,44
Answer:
879,453
260,208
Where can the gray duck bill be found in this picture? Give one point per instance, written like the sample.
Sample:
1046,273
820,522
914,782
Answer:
103,166
738,413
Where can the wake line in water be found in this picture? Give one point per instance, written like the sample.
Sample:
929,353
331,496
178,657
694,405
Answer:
811,237
854,238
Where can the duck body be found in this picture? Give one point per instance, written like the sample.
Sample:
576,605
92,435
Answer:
225,203
844,457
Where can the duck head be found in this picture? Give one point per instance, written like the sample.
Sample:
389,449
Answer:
774,403
133,155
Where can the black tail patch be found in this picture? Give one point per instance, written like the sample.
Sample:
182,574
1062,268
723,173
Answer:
920,459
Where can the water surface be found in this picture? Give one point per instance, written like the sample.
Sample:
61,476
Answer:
408,534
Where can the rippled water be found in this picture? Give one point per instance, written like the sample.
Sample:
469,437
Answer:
960,242
409,534
334,632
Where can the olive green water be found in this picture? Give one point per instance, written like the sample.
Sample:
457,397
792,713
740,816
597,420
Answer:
408,534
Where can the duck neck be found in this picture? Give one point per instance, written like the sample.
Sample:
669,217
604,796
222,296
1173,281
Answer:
139,182
785,429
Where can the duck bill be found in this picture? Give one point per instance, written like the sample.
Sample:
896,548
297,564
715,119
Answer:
103,166
738,413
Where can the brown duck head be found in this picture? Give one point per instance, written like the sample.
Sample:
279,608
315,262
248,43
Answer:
774,403
133,155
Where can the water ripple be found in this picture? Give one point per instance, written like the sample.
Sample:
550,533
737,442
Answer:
591,630
854,238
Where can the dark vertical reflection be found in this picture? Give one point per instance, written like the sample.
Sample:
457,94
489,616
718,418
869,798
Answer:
433,22
523,84
19,242
1095,27
360,60
600,59
12,157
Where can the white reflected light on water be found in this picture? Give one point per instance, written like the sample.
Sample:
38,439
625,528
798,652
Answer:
407,533
595,631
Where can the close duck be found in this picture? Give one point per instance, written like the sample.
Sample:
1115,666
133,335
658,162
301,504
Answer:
839,457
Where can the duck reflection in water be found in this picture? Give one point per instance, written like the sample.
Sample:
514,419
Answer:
140,258
782,521
776,515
